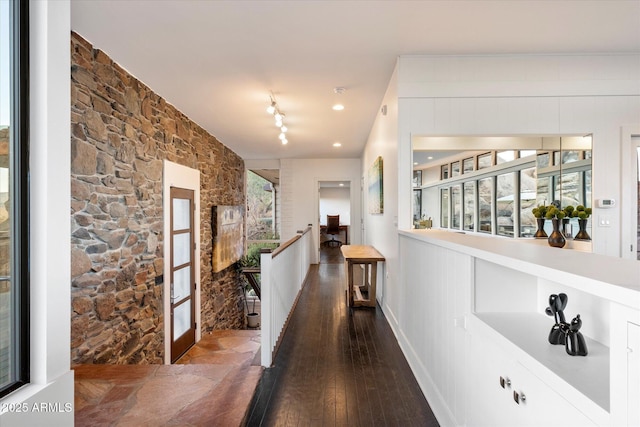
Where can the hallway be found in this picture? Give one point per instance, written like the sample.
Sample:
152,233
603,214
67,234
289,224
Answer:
337,366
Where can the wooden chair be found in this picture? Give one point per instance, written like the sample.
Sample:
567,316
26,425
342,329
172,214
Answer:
333,228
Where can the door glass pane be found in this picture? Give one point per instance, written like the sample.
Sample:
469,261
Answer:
528,195
456,204
505,194
444,207
485,194
181,214
469,205
181,283
181,319
181,248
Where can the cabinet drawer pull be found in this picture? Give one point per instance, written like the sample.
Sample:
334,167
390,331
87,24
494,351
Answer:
505,382
519,397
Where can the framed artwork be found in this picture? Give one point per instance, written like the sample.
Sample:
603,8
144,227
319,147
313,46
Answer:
376,196
227,228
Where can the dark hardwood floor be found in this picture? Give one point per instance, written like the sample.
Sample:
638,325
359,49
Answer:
337,366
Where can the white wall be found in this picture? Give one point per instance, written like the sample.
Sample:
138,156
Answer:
299,182
525,95
51,377
335,201
380,229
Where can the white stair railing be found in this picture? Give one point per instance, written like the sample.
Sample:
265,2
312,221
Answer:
282,273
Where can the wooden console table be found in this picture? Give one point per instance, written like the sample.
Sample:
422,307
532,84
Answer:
368,257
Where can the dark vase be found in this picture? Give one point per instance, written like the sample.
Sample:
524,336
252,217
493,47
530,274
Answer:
556,239
582,234
540,233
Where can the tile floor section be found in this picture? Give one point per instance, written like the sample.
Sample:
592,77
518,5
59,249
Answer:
211,385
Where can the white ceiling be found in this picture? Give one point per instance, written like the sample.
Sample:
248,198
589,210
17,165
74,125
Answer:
217,61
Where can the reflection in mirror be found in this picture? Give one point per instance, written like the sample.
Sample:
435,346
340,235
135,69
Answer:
491,184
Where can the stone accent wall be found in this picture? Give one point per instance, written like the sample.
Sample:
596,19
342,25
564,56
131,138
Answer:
120,133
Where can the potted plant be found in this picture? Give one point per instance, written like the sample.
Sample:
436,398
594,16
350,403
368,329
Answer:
540,212
556,239
583,215
249,266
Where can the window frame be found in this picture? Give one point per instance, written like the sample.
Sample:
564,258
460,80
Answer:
19,193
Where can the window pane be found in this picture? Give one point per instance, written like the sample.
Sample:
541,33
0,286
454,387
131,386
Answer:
444,172
456,204
543,160
7,291
417,204
505,156
528,188
469,205
485,195
571,189
455,169
444,208
467,165
527,153
484,161
570,156
505,195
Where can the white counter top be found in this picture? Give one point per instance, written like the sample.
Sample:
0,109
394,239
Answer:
611,278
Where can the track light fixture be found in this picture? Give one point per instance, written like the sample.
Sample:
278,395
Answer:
279,119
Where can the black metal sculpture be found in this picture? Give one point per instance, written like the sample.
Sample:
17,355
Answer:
563,333
574,343
557,303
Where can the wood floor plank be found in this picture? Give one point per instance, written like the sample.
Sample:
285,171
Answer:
337,366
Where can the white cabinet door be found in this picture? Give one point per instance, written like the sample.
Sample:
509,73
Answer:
489,404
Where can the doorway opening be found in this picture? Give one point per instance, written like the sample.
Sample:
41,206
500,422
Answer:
334,200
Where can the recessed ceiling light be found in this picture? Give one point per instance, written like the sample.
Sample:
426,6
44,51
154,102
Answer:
415,163
338,107
430,157
337,144
341,184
